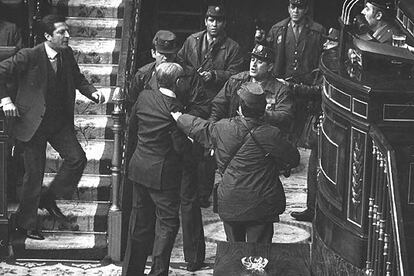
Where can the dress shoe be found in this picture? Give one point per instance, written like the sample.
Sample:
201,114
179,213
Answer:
306,215
52,208
194,266
31,234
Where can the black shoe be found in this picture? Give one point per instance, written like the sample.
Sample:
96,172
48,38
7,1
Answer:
194,266
306,215
31,234
52,208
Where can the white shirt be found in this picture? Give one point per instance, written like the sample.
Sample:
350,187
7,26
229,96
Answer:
167,92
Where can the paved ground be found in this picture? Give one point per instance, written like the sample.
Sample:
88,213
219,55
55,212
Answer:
288,230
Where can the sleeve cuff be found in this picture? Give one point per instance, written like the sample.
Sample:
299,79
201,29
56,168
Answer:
4,101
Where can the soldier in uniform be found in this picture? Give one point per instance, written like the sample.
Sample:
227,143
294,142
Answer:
379,15
213,57
249,154
279,108
298,44
164,49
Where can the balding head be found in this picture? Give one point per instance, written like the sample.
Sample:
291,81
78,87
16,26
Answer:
167,74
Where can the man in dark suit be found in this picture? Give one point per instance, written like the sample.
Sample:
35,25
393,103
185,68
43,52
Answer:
43,111
156,170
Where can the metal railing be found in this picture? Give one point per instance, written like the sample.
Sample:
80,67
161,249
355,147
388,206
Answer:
386,254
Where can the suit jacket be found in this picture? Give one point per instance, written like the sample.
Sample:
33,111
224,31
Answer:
29,65
157,160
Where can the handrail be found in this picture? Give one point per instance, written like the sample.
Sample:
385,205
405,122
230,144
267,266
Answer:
386,254
121,193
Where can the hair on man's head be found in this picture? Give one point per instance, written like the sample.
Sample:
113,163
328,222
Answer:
47,24
167,74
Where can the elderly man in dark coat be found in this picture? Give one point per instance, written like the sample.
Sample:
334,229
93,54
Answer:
156,170
249,154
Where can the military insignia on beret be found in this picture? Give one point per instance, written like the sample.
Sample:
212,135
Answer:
279,39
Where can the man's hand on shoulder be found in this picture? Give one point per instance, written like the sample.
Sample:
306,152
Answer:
98,97
9,109
176,115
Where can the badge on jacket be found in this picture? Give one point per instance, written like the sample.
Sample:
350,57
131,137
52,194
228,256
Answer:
279,39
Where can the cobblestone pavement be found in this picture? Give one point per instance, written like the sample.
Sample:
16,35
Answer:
288,230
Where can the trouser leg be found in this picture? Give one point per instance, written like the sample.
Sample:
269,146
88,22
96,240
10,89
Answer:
259,232
191,219
74,162
235,231
312,179
34,162
140,233
167,222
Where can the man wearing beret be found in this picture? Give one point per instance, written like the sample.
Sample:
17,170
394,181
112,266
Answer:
279,108
298,44
379,15
213,57
249,154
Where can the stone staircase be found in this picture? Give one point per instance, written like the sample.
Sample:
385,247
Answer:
95,28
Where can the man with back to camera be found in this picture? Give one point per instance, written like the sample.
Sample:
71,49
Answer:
165,47
156,170
298,44
249,155
43,111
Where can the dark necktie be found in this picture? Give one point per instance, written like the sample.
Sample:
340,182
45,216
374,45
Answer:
296,31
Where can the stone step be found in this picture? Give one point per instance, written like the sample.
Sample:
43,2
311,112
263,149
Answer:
96,51
89,216
92,8
98,153
93,127
100,74
90,188
62,246
95,27
85,106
